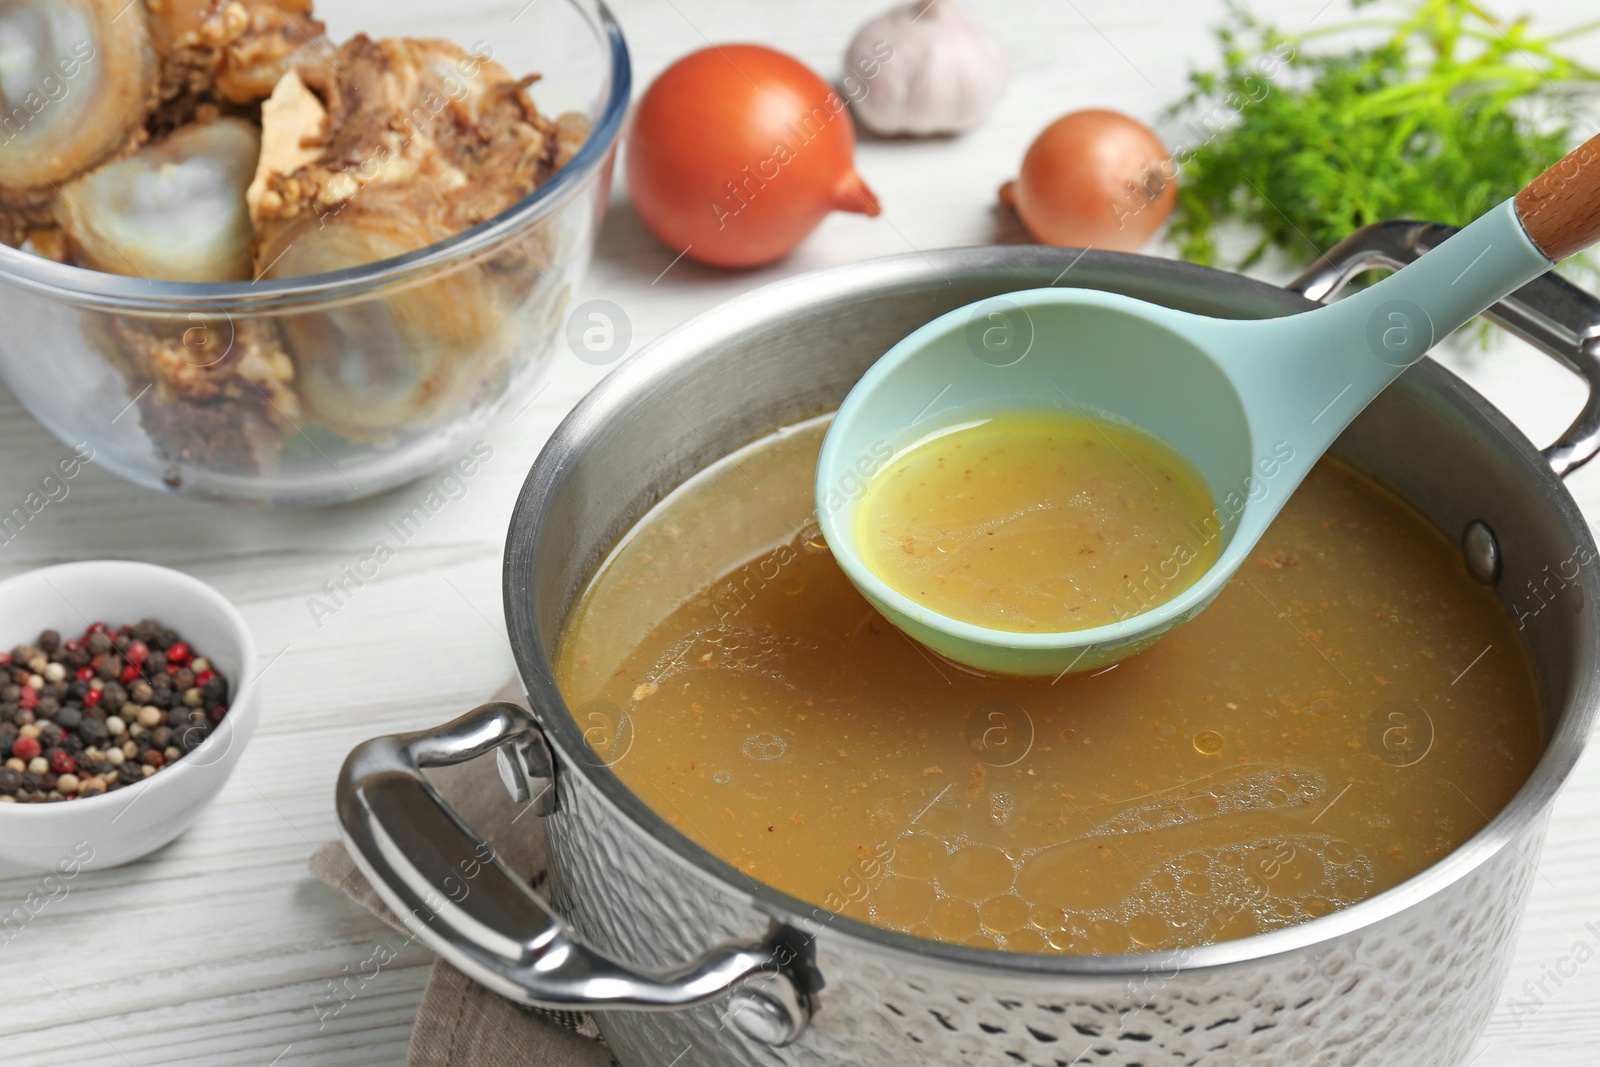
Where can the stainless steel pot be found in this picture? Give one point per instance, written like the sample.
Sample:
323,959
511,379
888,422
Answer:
690,962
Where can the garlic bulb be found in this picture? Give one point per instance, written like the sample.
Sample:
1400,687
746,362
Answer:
924,68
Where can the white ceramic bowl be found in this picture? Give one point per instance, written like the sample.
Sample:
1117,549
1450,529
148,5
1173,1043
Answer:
115,827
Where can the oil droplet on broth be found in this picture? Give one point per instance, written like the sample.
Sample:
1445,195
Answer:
1004,915
1025,940
953,920
976,872
1339,854
1038,522
1208,742
918,856
902,902
1149,930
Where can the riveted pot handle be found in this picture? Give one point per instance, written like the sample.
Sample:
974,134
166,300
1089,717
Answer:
1549,313
455,894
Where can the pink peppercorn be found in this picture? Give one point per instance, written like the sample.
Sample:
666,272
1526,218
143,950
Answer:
92,697
137,652
62,762
25,748
129,673
84,674
29,698
179,653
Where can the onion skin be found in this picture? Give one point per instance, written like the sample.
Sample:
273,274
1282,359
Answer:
737,152
1094,179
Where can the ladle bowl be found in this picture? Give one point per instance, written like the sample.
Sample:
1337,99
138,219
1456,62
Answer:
1251,403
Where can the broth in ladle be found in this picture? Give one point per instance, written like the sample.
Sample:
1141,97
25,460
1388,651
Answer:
1037,522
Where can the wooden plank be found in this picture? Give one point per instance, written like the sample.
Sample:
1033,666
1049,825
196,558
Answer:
220,948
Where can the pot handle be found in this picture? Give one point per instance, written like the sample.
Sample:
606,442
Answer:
453,892
1549,313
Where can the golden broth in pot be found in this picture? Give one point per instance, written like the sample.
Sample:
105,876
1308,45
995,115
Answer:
1350,709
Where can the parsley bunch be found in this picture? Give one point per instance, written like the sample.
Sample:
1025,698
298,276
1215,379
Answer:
1456,111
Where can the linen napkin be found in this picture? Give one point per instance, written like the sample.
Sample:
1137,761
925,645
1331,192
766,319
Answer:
460,1023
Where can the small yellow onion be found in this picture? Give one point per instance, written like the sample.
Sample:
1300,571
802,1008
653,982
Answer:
1094,179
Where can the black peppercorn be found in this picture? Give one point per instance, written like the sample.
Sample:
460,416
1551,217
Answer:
10,781
99,644
49,641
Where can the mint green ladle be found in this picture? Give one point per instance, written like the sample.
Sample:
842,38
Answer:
1251,403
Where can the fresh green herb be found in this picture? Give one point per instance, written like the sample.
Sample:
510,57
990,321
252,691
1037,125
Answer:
1453,113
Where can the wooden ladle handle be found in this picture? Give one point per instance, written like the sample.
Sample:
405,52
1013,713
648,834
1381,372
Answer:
1560,209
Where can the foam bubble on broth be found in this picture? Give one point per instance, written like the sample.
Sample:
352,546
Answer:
1245,774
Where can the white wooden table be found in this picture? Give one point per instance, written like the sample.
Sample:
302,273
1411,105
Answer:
221,949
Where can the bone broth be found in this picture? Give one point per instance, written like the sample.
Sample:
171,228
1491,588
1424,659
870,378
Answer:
1350,709
1037,522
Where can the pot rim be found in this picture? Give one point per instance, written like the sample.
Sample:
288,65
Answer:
644,370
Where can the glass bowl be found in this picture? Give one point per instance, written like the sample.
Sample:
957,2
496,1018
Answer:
347,383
